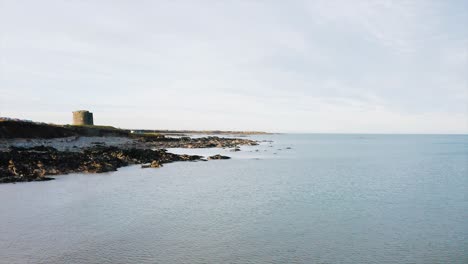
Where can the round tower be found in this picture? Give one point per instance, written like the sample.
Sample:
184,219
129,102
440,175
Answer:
83,117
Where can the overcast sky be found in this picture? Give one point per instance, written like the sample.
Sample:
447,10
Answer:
284,66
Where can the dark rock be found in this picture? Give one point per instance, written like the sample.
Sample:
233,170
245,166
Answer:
34,164
41,148
153,164
218,157
204,142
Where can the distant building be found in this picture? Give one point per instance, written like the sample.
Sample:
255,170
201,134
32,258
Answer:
83,117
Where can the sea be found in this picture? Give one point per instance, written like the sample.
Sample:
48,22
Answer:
295,198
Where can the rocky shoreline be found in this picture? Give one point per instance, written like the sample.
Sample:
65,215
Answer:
188,142
30,160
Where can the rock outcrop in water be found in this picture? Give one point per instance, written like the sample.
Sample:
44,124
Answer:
218,157
35,164
35,159
204,142
153,164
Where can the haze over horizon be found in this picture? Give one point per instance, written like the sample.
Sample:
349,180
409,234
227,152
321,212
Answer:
297,66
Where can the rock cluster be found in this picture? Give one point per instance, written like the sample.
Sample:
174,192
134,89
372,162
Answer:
204,142
153,164
34,164
218,157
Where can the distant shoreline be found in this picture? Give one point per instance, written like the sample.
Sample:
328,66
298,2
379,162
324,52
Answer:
28,129
200,132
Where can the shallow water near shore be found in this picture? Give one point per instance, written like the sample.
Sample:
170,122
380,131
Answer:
328,199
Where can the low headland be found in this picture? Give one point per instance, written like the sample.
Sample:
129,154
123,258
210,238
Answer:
31,151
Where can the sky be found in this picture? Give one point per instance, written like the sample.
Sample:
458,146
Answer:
310,66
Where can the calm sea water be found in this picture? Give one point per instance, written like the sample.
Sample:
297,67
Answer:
329,199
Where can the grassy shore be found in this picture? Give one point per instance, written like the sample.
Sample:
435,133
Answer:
27,129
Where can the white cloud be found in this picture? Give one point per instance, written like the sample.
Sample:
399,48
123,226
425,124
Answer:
345,66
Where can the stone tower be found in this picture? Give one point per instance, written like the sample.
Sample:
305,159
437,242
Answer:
83,117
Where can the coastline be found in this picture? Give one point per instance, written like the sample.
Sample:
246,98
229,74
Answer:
25,160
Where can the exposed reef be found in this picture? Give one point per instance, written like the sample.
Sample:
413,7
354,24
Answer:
35,151
203,142
35,164
28,161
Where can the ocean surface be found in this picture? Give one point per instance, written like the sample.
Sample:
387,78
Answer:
328,199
